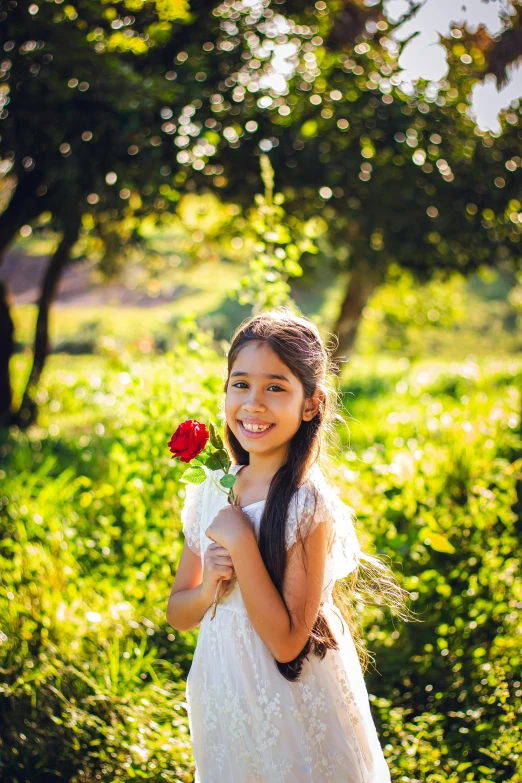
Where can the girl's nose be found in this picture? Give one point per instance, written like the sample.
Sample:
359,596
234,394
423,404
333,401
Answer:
254,402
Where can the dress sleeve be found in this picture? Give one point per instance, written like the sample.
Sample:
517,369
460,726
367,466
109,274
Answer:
346,551
191,516
314,503
306,510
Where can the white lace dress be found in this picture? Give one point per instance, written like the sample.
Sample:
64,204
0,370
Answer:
248,724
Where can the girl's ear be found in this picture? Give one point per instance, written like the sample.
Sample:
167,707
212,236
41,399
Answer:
311,407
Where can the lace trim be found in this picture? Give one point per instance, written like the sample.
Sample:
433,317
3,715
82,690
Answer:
344,550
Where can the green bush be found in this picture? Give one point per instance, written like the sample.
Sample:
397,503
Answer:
92,677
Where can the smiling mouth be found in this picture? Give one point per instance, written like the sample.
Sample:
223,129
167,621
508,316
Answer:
255,433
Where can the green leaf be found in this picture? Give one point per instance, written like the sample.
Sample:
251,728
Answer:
194,475
214,436
228,480
213,464
436,541
292,251
293,268
223,457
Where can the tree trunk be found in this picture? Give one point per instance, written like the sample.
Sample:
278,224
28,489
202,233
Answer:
6,351
364,278
28,409
25,205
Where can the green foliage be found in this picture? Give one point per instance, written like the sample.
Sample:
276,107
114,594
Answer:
446,316
92,676
215,438
379,177
194,475
436,476
278,249
401,313
397,178
227,481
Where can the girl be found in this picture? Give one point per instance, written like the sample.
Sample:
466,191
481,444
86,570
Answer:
276,692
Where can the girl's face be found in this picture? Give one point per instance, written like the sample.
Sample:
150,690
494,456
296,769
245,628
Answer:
262,390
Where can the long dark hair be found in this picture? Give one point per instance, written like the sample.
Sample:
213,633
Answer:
297,342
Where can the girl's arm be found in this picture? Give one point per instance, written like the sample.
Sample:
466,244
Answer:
186,608
187,602
195,585
302,591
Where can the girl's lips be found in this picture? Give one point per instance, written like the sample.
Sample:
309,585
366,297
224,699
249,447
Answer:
249,434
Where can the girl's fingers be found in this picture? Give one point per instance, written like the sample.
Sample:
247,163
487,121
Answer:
218,549
223,561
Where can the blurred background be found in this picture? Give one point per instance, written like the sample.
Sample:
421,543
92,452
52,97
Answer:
168,168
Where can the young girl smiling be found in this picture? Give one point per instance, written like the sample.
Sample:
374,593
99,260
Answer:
276,692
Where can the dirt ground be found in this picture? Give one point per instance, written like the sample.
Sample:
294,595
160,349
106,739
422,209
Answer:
77,288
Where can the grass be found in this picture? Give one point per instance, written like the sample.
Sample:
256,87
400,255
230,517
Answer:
93,676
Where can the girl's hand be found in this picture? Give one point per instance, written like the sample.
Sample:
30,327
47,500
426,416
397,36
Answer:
229,526
217,564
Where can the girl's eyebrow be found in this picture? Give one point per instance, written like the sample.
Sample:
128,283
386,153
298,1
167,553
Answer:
266,375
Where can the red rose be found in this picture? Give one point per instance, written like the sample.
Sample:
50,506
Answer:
189,440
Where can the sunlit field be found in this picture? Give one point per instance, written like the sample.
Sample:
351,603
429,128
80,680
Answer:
168,169
430,457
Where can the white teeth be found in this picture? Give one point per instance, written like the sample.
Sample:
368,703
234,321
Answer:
255,427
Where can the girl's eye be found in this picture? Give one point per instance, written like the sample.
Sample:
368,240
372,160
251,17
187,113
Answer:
272,386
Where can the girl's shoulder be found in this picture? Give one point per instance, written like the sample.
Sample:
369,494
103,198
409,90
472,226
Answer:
197,494
317,490
318,501
197,504
191,514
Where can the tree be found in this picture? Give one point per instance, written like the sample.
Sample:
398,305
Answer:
398,178
6,349
85,126
180,102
